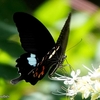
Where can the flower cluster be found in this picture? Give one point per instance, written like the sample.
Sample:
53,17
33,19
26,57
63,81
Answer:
88,85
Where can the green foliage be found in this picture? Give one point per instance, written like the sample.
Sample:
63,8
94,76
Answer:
52,13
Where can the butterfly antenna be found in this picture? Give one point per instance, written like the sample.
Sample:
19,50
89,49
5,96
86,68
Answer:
75,45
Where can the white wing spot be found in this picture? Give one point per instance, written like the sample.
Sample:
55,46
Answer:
53,52
32,60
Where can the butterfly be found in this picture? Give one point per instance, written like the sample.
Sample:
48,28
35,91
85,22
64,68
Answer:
42,53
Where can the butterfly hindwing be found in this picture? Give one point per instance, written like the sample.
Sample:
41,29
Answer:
42,68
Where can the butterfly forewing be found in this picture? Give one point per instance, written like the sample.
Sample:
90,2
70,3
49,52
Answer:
62,43
63,37
34,36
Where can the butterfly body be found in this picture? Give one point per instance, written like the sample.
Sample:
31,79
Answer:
42,53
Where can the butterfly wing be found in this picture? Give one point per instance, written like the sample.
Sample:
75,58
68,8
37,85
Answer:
55,57
42,68
35,39
62,43
34,36
51,60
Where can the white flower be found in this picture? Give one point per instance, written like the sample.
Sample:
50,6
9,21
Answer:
88,85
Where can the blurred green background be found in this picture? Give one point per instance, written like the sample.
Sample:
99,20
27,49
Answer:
85,26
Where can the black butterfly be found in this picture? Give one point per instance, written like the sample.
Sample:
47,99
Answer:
43,53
